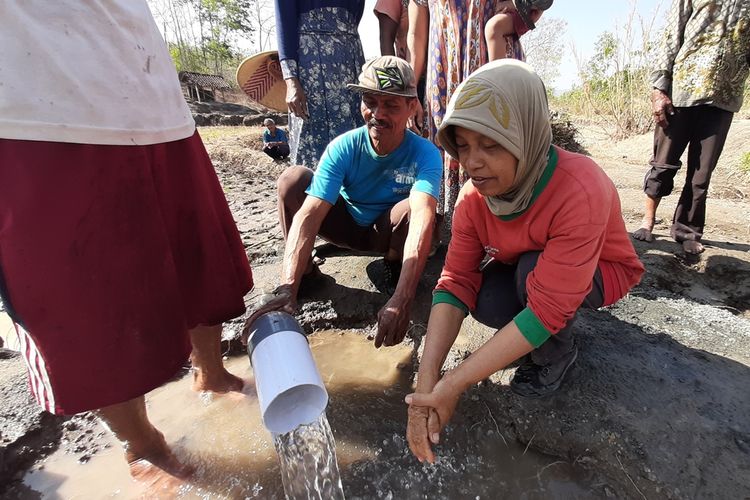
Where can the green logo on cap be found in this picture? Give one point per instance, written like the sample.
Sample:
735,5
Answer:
389,78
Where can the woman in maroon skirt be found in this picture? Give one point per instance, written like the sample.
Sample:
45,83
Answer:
118,253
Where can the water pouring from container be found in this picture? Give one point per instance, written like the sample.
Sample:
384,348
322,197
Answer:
293,400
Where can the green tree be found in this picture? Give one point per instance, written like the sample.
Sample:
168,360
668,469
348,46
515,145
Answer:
203,35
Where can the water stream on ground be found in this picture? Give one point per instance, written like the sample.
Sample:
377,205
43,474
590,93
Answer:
234,455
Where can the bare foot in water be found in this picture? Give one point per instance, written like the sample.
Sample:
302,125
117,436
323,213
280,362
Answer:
221,381
692,247
159,482
159,469
644,232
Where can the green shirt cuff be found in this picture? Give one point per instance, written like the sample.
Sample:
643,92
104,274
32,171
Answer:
530,327
443,297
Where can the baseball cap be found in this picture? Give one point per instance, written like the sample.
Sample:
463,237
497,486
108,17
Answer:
524,9
387,75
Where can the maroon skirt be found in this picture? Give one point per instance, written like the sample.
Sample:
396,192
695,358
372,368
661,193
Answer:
108,256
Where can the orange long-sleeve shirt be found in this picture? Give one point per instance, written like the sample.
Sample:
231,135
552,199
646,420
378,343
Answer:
575,221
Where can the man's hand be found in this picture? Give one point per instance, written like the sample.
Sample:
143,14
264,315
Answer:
280,299
393,322
422,426
442,400
296,100
661,105
416,122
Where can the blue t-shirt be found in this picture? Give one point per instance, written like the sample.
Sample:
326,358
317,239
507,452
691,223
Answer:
279,136
371,184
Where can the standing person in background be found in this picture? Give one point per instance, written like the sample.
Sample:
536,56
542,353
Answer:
320,52
446,41
698,84
275,143
513,19
393,19
118,252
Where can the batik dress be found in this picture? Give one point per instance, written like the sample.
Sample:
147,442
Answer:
456,48
319,44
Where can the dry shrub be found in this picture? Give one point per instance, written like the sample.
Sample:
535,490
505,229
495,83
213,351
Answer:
565,133
614,84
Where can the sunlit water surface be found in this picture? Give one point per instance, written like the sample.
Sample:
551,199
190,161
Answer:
235,456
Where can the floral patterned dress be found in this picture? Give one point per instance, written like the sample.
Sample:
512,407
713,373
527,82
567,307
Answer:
456,48
329,56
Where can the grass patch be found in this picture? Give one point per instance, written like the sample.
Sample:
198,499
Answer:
745,163
213,134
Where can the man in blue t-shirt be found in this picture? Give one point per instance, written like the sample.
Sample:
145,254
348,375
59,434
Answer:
375,189
275,143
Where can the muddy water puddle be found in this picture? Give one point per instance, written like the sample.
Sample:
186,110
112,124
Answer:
234,455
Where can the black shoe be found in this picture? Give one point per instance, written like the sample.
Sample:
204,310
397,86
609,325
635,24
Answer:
384,274
536,381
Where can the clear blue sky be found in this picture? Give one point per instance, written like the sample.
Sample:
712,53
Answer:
586,20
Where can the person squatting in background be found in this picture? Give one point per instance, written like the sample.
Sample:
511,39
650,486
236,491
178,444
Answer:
275,143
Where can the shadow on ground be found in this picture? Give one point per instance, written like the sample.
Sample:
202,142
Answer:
717,277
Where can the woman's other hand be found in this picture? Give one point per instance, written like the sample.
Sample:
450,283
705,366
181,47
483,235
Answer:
441,403
422,425
296,100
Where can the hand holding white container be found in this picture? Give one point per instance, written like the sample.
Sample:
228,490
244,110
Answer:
290,390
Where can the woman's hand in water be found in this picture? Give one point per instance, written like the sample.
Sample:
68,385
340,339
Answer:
281,299
441,403
296,100
422,425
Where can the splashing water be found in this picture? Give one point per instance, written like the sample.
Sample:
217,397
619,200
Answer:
307,456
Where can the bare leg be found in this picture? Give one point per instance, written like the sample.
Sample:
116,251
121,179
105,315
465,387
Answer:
209,373
649,218
148,456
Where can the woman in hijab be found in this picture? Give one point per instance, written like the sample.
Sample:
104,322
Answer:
548,226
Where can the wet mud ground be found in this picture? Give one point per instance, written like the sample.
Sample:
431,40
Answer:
657,406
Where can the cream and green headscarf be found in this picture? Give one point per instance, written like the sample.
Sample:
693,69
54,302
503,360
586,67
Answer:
507,102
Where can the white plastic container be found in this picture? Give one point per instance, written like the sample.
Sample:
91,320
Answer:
290,389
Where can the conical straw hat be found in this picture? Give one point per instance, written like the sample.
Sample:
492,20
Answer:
259,76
